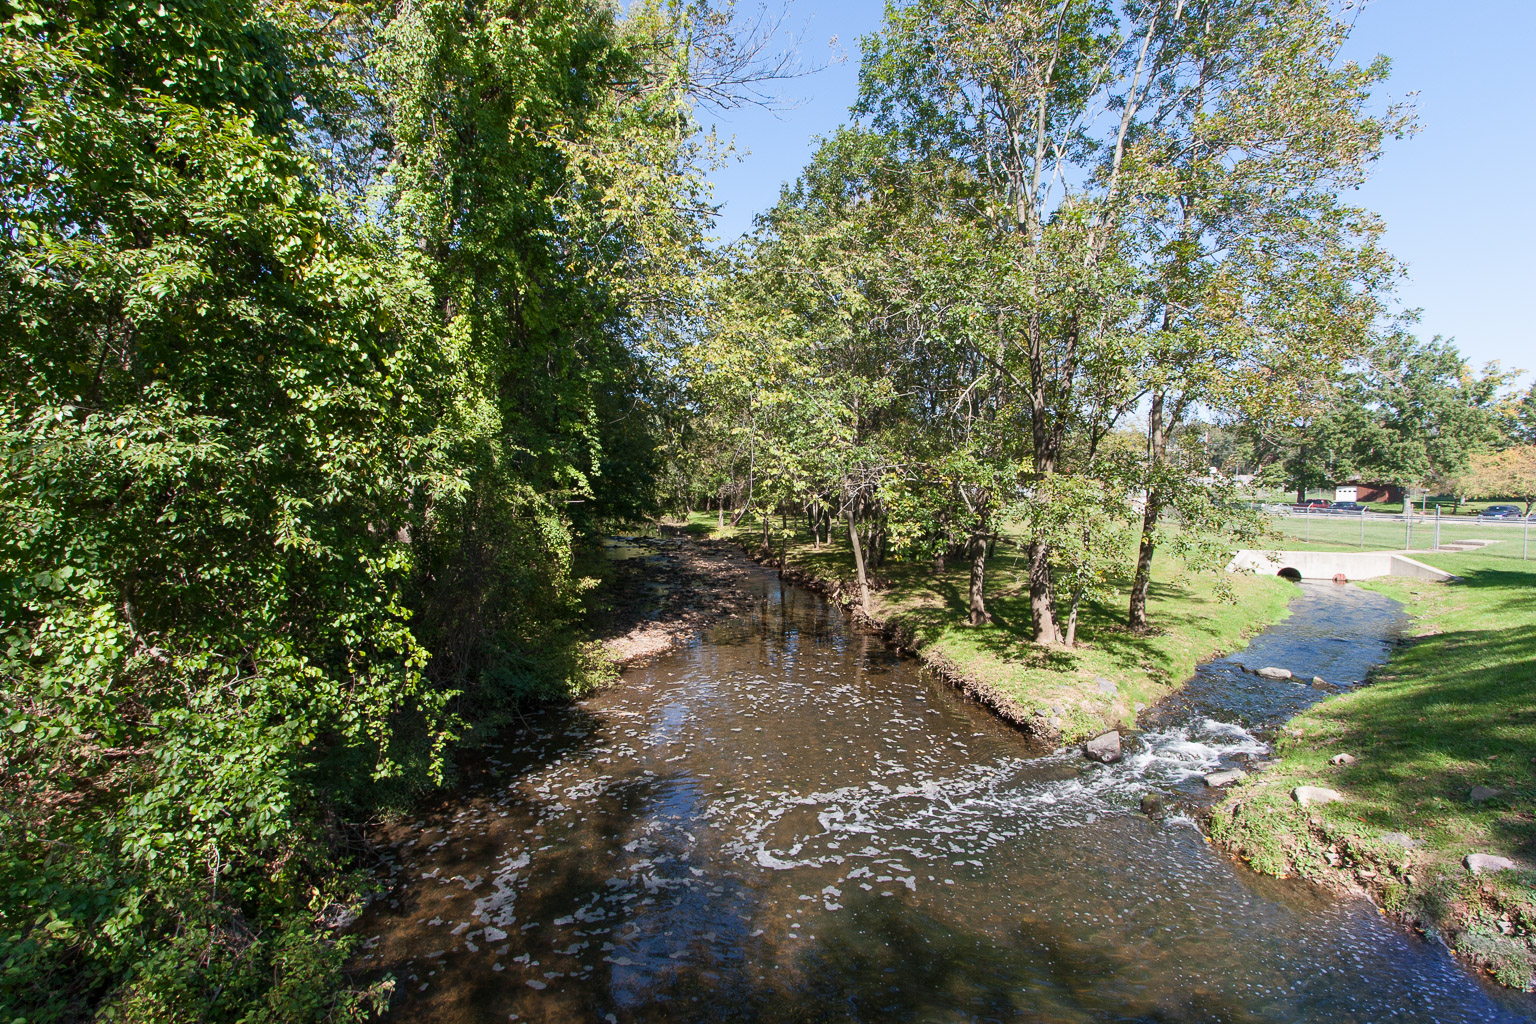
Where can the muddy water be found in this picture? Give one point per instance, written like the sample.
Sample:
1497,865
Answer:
784,822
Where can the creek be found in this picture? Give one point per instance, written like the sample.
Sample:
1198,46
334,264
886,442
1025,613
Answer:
787,822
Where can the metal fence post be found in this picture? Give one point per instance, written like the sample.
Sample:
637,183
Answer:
1437,527
1526,553
1362,529
1408,511
1306,514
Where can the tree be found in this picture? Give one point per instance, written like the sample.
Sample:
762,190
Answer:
1504,473
1258,278
1148,215
1412,415
325,330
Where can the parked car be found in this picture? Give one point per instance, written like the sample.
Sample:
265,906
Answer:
1346,506
1501,512
1314,503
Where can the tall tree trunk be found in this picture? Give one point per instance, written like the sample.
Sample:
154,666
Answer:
751,470
1041,608
979,615
1153,508
858,562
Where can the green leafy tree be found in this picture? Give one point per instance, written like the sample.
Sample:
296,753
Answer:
325,330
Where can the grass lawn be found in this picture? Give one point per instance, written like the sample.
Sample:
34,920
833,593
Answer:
1454,708
1054,688
1339,533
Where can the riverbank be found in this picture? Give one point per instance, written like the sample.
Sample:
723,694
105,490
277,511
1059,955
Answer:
1448,720
1060,695
662,592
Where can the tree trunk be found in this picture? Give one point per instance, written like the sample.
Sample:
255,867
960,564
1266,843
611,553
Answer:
858,563
751,472
722,513
1041,608
1077,602
1149,516
979,615
1156,440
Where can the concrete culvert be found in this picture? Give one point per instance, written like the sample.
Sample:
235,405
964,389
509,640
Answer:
1289,574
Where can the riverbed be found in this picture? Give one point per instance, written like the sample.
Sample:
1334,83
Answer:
785,821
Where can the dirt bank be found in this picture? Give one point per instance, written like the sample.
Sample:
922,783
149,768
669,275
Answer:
652,603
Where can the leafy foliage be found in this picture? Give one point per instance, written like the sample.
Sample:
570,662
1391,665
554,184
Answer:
317,325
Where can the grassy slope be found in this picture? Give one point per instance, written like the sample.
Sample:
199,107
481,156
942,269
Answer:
1191,624
1454,708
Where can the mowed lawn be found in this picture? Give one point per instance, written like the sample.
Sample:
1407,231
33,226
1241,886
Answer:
1453,709
1192,620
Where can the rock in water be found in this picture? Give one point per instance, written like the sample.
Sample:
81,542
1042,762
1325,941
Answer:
1481,863
1218,779
1319,683
1309,795
1274,673
1151,804
1104,749
1342,759
1480,794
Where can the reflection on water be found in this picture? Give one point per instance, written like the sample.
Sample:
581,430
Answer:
785,822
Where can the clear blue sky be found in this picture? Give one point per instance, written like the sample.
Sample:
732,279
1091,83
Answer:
1458,198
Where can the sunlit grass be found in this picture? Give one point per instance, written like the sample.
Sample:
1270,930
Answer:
1454,708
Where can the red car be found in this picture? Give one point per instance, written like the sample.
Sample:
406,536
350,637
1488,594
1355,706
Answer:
1313,503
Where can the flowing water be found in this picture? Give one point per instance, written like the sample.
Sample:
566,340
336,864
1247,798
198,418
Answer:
786,822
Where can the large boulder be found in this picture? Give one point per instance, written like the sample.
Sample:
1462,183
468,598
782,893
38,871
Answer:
1218,779
1274,673
1309,795
1483,863
1342,760
1105,748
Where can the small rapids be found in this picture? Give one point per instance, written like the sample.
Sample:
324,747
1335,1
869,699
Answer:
785,822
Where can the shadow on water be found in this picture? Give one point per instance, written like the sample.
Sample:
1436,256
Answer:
785,822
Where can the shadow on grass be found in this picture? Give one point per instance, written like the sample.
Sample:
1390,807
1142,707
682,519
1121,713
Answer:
1176,611
1459,711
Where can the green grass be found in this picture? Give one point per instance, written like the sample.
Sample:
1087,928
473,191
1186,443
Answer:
1329,533
1454,708
1191,623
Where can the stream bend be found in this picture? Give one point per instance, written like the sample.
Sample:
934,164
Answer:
786,822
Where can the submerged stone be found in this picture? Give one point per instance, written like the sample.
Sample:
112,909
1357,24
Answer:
1218,779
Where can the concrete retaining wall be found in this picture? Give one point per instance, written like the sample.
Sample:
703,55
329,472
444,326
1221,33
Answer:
1325,565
